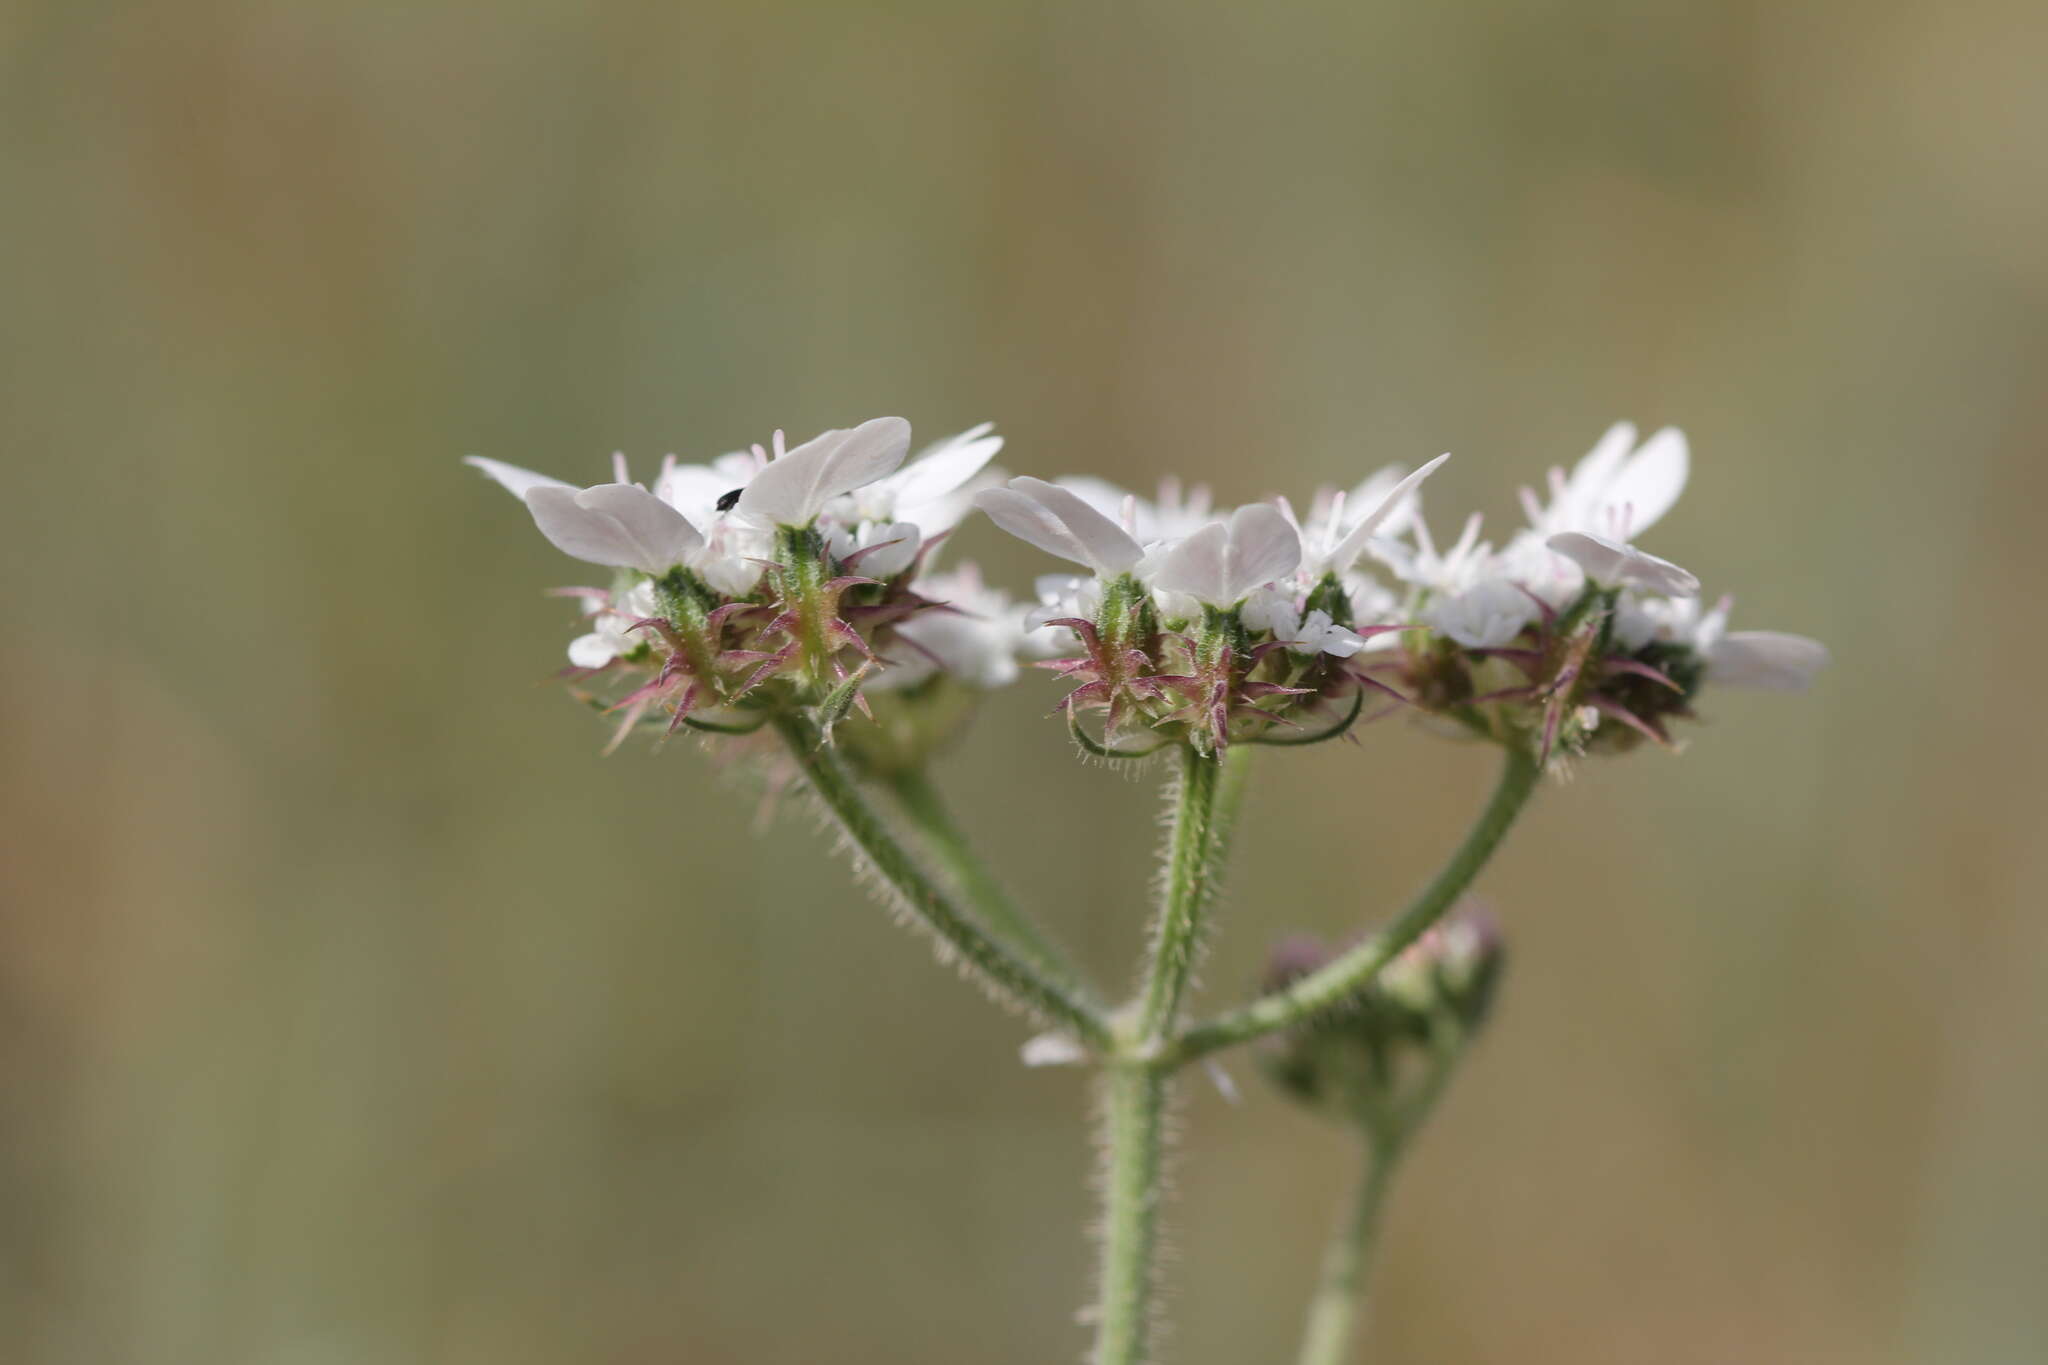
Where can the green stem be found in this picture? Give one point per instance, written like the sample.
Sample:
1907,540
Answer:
1340,1298
1133,1102
1011,976
1341,978
1193,863
1339,1301
927,813
1206,803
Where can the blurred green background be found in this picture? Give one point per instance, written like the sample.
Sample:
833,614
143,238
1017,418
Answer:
354,1009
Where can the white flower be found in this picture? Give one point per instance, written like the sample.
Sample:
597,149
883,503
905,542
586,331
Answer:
1466,562
1613,564
1064,595
620,524
1486,615
1222,562
695,490
1175,513
1373,603
1340,525
796,485
891,546
1613,493
1542,570
928,490
976,642
1315,633
512,478
623,525
611,622
1766,660
1057,521
732,559
617,524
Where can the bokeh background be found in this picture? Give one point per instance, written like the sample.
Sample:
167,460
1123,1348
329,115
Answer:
354,1009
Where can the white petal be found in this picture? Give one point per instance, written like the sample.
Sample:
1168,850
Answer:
1222,562
897,546
617,524
694,490
663,535
511,477
1274,611
1593,472
1347,551
1195,566
1263,546
1052,1049
1112,501
1060,523
792,491
1612,564
1649,483
946,466
591,651
1339,641
1766,659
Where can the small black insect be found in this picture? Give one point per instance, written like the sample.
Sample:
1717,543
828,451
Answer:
726,501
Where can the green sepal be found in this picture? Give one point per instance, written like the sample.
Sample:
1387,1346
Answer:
837,703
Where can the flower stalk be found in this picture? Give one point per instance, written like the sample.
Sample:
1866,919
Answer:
1339,1303
927,813
1332,984
1194,858
1010,976
1133,1110
1340,1300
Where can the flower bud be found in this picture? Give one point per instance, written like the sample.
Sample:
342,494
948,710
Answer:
1369,1059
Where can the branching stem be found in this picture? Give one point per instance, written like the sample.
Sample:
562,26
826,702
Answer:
927,813
1341,978
1012,976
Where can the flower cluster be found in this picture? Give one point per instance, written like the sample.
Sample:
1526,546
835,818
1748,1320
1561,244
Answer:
1207,630
1267,626
776,577
803,577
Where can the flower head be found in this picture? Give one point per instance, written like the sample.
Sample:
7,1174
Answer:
766,579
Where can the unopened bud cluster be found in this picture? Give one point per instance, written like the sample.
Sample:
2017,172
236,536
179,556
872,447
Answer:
1369,1059
806,579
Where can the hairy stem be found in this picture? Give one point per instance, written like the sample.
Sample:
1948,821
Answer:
1339,1302
1012,977
1341,978
927,813
1133,1103
1194,858
1340,1298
